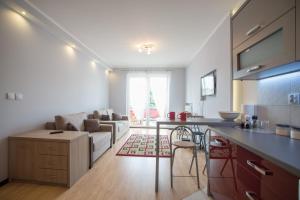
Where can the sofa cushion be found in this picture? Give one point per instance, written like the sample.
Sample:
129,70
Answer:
76,120
116,117
98,113
100,139
50,126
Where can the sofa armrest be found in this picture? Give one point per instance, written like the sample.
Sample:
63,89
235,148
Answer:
105,128
50,126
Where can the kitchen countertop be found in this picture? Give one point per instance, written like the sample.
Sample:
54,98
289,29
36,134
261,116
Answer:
281,150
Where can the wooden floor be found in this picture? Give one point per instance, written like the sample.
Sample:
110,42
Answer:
120,178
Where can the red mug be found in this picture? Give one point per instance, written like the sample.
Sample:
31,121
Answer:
182,116
171,115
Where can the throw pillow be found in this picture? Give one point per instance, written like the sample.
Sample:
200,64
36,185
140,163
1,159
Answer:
91,125
71,127
105,117
97,115
75,119
116,117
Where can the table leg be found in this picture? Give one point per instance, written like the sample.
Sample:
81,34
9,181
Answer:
157,158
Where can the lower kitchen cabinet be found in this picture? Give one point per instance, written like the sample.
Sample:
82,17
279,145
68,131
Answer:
236,173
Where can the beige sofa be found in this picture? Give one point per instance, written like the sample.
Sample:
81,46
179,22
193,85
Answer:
120,123
100,135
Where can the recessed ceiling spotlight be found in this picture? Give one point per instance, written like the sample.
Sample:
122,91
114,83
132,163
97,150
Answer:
94,63
146,48
23,13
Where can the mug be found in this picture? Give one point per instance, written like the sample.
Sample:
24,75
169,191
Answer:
171,115
182,116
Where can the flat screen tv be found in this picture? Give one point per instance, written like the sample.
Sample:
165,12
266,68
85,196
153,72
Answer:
208,84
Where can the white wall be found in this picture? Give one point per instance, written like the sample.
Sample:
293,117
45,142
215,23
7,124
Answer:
215,54
117,85
53,79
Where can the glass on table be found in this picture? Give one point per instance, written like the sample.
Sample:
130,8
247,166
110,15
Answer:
264,124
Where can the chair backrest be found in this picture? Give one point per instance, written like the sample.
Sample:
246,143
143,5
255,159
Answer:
183,133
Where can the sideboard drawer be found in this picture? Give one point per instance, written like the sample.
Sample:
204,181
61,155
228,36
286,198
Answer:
53,162
52,176
53,148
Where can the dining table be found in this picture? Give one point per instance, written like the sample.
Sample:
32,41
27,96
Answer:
201,121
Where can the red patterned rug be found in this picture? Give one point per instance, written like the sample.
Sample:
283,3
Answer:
144,146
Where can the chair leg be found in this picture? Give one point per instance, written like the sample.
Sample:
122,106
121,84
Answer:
222,170
172,163
171,171
201,143
204,168
197,169
234,178
192,162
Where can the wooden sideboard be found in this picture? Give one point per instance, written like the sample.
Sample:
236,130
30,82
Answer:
49,158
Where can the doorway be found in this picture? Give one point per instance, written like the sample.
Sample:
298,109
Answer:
147,97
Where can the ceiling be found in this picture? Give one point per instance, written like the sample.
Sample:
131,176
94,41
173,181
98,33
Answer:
114,28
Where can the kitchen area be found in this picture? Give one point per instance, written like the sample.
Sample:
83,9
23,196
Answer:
259,159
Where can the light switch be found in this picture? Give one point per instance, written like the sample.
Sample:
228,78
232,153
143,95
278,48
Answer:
19,96
10,96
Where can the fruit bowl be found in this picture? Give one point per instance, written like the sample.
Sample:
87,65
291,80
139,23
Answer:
229,116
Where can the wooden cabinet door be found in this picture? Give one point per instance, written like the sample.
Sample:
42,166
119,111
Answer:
298,29
271,47
21,156
255,15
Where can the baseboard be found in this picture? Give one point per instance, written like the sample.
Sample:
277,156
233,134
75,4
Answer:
5,181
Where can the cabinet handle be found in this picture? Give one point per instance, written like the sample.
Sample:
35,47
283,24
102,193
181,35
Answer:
260,170
250,195
253,29
254,68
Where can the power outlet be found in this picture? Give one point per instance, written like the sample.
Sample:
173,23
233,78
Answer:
294,98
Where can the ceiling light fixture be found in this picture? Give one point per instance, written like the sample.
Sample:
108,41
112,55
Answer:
146,48
23,13
73,46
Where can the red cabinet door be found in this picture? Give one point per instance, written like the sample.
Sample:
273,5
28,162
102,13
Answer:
236,173
280,182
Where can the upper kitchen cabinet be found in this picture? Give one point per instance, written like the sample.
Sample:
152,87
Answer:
255,15
298,29
264,38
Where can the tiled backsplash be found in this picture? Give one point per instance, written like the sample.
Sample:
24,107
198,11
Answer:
273,99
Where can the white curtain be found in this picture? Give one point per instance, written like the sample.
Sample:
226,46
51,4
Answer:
147,95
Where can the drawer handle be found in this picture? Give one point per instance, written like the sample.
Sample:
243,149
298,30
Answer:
254,68
253,29
250,195
260,170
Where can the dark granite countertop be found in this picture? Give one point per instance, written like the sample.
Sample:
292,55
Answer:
281,150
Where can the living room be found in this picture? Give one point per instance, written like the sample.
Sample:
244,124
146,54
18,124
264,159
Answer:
96,97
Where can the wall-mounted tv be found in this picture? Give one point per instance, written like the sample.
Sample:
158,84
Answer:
208,84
